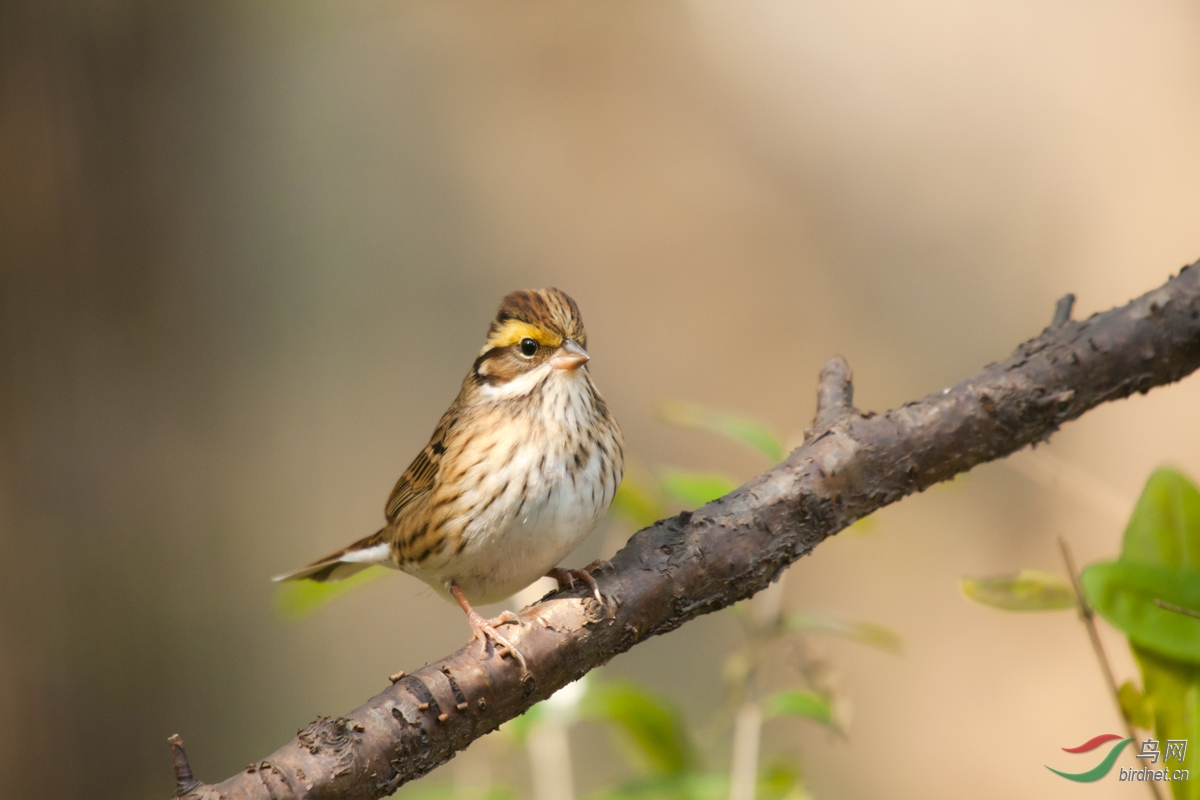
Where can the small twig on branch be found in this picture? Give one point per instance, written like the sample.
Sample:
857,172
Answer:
835,396
184,782
702,561
1062,310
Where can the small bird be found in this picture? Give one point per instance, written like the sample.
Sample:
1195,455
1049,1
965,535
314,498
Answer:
518,472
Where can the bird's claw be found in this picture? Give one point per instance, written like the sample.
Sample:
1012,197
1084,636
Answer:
566,579
485,629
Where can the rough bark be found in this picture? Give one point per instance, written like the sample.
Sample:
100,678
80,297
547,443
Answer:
850,465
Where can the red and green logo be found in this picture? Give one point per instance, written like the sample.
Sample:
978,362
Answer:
1100,770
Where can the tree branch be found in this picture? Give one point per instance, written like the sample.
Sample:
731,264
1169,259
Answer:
851,465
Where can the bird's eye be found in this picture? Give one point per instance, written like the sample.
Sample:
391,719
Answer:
528,347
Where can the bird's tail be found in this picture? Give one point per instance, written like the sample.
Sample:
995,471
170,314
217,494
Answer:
364,553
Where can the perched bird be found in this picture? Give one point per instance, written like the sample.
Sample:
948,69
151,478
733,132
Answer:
519,470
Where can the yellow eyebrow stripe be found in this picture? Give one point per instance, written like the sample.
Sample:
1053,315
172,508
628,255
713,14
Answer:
514,330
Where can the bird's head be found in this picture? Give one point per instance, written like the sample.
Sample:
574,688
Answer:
535,330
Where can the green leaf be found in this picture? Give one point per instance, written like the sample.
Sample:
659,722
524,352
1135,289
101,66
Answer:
1164,529
864,632
649,724
733,426
1172,690
808,705
1135,706
297,599
637,503
1028,590
694,489
1124,592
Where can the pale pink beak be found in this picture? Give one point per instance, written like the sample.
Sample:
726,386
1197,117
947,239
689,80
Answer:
569,356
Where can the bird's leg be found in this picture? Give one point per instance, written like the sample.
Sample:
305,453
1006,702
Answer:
484,629
566,578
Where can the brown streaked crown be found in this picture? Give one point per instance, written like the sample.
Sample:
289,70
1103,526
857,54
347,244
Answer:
548,316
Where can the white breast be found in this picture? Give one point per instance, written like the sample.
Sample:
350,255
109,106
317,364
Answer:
537,506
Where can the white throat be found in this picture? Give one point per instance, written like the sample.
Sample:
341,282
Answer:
517,387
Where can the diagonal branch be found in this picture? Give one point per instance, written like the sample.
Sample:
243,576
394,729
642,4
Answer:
699,562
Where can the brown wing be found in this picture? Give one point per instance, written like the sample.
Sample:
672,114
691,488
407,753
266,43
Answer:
418,479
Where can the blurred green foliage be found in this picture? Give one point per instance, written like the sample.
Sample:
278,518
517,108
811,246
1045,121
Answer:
649,723
727,424
1160,560
780,782
1171,689
428,790
637,502
1028,590
659,747
795,703
1151,593
643,500
1134,706
651,733
518,728
298,599
869,633
864,525
694,489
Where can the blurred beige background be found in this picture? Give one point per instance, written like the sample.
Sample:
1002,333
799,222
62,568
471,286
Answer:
248,251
